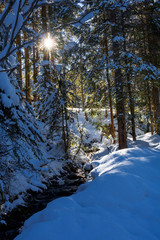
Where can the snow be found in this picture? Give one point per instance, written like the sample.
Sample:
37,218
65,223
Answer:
146,140
88,16
90,133
70,45
85,18
121,203
118,39
9,96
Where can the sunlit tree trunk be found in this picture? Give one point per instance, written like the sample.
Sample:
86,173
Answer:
82,85
129,87
82,97
109,89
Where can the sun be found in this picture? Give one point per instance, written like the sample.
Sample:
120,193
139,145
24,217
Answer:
49,42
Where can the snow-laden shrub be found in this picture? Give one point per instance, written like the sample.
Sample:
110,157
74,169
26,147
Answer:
20,153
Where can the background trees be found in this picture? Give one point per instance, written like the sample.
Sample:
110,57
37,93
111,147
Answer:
122,27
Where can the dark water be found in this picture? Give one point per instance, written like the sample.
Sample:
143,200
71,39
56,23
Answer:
38,201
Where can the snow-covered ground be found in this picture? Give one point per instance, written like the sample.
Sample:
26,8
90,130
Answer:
121,203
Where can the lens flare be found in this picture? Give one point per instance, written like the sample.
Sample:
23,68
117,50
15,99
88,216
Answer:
49,43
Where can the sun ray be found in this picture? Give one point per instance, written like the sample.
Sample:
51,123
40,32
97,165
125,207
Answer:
49,43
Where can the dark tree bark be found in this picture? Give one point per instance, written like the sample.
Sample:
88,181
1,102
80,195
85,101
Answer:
45,29
149,89
18,42
157,108
122,135
46,67
153,46
27,71
127,74
35,68
35,58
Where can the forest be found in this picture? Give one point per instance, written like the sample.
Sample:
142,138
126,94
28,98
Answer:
79,119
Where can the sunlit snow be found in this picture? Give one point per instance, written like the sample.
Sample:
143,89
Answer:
121,203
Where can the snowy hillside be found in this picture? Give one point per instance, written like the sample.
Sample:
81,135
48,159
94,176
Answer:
121,203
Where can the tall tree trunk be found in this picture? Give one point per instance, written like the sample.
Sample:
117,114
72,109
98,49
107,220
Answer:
53,69
122,135
18,42
35,68
157,108
145,38
82,86
27,71
35,61
153,45
83,100
149,106
131,105
45,29
65,132
44,16
109,89
129,87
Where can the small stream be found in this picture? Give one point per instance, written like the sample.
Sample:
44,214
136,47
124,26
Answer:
38,201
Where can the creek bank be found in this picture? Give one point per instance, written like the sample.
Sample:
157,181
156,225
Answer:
37,201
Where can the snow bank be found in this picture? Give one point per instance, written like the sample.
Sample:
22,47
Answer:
9,96
146,140
121,203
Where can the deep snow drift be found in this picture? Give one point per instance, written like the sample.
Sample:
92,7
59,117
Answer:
121,203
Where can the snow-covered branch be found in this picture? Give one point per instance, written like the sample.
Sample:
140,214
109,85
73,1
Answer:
12,20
